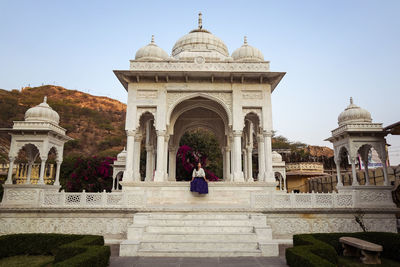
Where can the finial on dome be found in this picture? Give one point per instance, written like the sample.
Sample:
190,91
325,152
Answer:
200,21
45,99
351,100
152,38
245,40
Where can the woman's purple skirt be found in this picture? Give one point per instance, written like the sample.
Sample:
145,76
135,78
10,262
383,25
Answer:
199,185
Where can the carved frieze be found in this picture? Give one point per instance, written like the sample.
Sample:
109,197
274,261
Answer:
147,94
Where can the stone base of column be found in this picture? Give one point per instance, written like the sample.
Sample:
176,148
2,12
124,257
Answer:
159,176
238,177
128,176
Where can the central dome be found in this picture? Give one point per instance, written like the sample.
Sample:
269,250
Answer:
200,42
42,112
354,114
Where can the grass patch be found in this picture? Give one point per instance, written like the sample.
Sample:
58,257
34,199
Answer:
27,260
355,262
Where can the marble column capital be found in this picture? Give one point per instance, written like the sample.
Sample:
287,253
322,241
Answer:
12,158
138,137
267,133
237,133
173,149
130,132
161,133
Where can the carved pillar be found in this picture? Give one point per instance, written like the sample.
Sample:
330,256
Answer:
172,164
284,183
128,173
269,175
149,164
250,164
353,171
245,164
114,176
227,163
338,175
159,175
166,169
153,163
232,160
42,169
58,167
382,156
237,154
28,176
261,158
10,171
136,157
224,166
364,157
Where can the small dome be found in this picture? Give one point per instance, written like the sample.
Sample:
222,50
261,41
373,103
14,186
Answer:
276,157
42,112
247,53
354,114
151,52
122,155
200,42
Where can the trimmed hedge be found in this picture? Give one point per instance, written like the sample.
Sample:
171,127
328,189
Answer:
324,249
68,250
308,251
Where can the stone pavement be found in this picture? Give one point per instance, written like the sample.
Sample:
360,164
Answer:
196,262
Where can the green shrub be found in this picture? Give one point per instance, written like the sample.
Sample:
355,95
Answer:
308,251
68,250
323,249
389,241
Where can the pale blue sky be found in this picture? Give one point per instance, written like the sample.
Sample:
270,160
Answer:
331,50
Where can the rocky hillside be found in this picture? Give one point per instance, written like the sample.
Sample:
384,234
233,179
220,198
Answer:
96,123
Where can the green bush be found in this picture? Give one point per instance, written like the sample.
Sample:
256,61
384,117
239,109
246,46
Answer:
324,249
68,250
389,241
308,251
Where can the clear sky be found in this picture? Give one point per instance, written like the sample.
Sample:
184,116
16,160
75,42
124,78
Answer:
331,50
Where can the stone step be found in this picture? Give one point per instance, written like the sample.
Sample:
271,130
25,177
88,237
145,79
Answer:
202,222
198,229
194,253
198,216
168,237
198,246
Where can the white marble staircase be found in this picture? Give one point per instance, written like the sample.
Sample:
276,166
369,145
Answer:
189,234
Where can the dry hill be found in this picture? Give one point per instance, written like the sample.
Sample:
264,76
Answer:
96,123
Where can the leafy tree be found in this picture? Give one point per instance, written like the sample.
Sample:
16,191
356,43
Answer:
89,174
205,144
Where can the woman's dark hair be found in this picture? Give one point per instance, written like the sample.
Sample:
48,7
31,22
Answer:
197,166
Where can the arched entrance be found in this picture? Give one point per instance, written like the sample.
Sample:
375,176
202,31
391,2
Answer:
199,113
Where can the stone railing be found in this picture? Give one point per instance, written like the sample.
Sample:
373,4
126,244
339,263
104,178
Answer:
305,166
91,200
276,200
282,200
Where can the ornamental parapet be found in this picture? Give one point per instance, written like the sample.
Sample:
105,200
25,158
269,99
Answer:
357,127
195,66
316,167
38,126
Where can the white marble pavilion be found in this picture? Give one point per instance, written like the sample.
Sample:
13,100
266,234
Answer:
200,85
